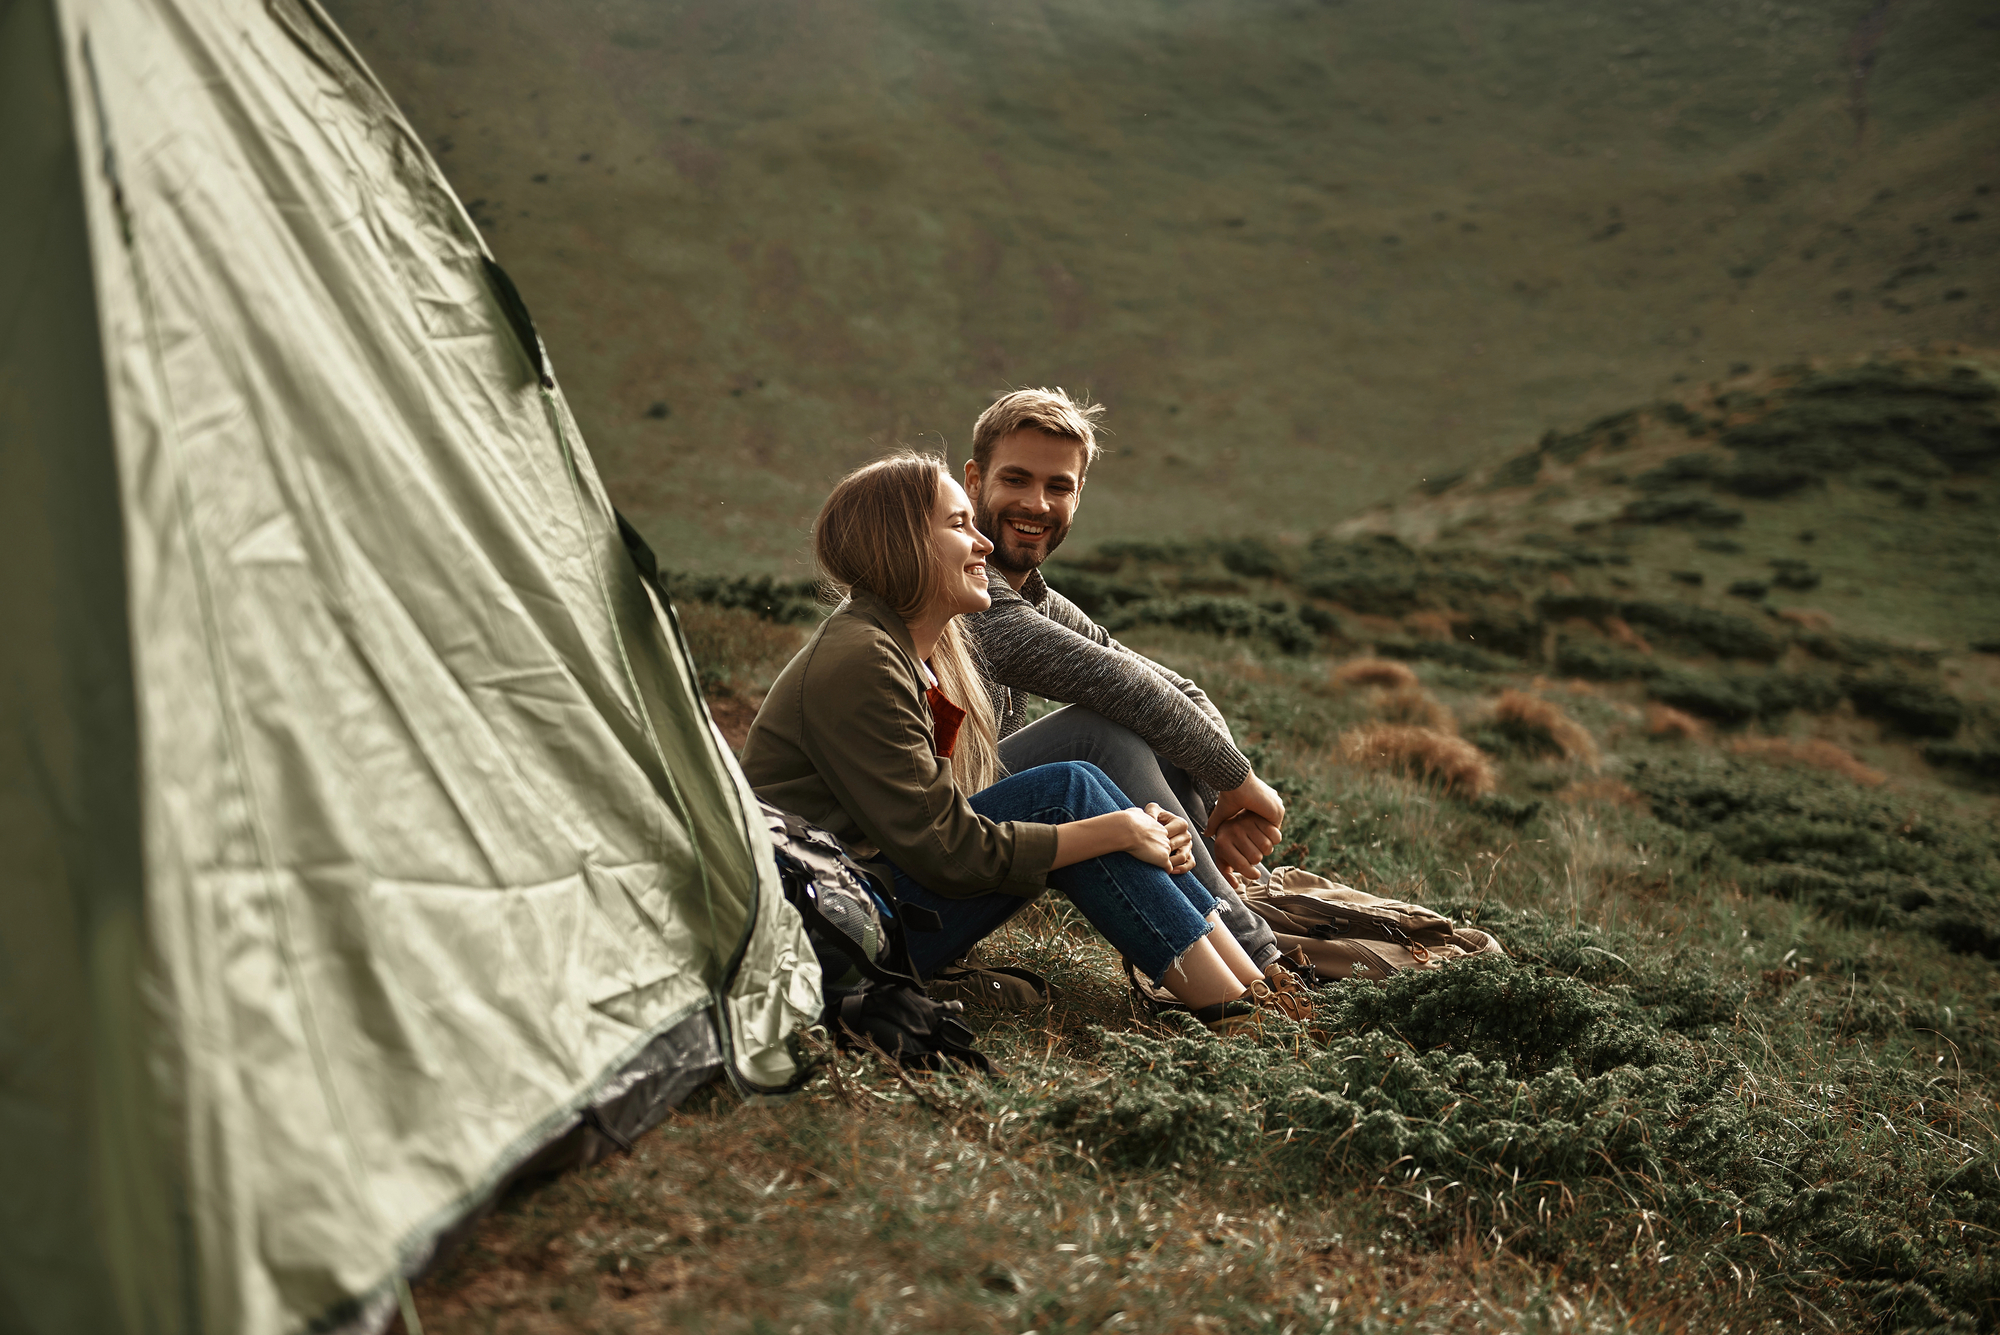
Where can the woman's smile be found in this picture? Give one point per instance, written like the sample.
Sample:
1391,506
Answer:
959,542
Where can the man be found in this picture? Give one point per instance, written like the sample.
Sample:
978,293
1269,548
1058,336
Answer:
1151,730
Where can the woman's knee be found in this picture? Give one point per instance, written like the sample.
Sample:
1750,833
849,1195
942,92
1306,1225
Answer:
1091,791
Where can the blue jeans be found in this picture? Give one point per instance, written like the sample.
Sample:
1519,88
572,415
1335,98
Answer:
1150,915
1076,733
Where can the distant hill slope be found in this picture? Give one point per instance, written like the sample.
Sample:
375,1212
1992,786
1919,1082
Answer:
1861,493
1308,253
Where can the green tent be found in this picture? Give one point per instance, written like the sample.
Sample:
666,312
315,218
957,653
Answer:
363,838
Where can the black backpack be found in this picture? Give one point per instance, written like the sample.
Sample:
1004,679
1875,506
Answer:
857,929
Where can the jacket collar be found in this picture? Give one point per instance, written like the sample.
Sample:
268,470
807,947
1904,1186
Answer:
863,604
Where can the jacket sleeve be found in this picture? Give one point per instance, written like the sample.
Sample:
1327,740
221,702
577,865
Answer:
1067,657
873,748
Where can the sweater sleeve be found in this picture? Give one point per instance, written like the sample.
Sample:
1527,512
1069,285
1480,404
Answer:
1066,613
873,750
1062,655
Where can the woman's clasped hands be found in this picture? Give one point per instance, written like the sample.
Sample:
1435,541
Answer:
1161,838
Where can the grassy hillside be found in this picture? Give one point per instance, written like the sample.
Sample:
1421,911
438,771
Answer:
1739,1071
1308,252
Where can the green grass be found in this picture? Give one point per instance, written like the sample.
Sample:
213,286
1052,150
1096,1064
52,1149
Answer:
1739,1069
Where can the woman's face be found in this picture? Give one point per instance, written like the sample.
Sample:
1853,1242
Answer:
961,552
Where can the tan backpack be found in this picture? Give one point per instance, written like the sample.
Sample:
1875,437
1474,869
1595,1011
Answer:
1328,930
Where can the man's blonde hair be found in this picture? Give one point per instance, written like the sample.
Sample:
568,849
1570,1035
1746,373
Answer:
874,533
1051,411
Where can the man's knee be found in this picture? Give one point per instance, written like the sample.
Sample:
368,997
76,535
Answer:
1104,737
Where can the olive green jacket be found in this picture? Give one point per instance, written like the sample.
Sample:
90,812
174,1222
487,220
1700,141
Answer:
844,740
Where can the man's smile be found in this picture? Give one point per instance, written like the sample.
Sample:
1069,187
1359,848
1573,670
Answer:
1027,529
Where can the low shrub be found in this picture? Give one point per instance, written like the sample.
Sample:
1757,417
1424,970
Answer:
1698,511
1523,470
1502,630
1385,577
1516,1097
1867,858
1679,471
1779,693
1722,698
1563,606
1594,660
1796,575
1504,810
1451,653
1767,480
787,602
1454,764
1976,760
1876,415
1234,617
1851,650
1093,591
1916,707
1725,634
1252,558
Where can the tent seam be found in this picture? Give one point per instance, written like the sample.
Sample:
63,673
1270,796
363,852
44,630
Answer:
639,699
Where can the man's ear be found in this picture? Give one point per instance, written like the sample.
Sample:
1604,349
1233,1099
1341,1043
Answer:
972,480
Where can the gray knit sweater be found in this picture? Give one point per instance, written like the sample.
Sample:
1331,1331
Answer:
1037,642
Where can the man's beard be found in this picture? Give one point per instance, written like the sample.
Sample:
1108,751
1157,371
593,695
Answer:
1006,554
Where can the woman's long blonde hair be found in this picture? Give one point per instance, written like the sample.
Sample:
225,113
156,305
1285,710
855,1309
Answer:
874,533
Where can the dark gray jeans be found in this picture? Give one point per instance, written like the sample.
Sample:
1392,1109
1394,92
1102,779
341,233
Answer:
1076,733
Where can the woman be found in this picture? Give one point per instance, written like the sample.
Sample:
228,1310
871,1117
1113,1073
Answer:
880,732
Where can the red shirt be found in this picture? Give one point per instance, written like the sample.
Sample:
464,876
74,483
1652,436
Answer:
945,720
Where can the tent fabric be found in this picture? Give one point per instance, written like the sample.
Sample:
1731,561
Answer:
363,828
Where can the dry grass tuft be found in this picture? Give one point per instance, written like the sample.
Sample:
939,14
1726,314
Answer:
1414,705
1452,763
1429,625
1602,791
1806,619
1813,753
1669,724
1368,624
1382,672
1543,721
1623,634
